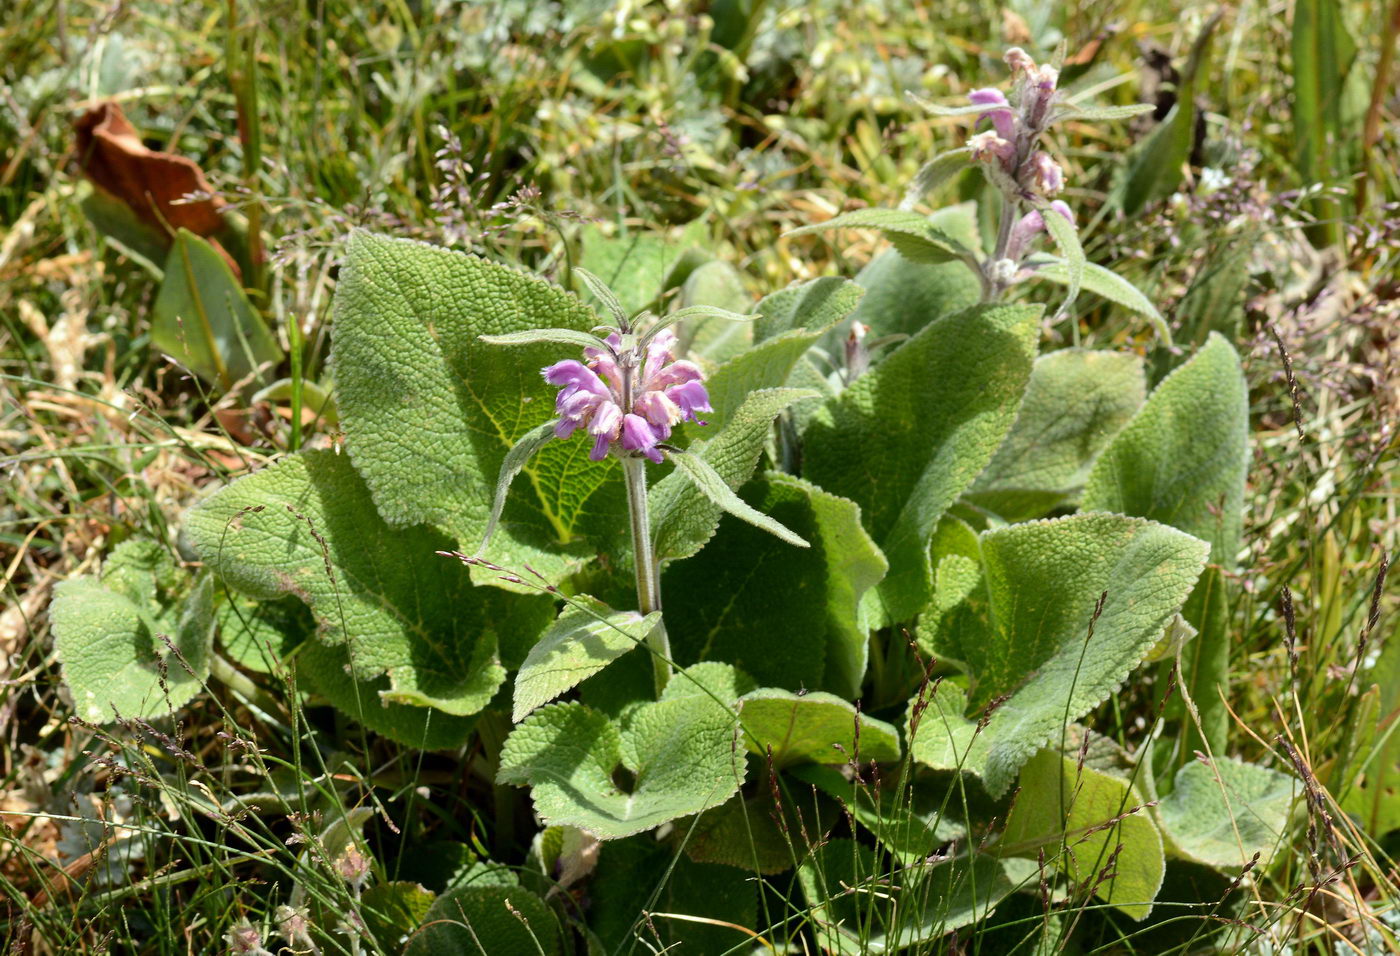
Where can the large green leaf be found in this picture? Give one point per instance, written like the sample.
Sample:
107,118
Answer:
771,361
788,616
307,527
587,637
1183,457
204,321
1076,401
815,304
1028,633
649,897
680,751
430,411
682,517
859,910
944,739
1086,822
487,921
111,636
1224,811
902,297
910,436
813,728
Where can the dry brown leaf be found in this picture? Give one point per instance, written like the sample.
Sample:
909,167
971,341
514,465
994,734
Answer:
152,183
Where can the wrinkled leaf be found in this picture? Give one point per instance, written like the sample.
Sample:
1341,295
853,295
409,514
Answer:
813,728
1223,812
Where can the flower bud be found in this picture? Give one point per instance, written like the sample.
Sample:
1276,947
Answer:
1046,176
988,147
1019,60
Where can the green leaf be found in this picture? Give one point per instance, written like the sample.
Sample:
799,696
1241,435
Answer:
682,517
1222,812
858,909
713,486
815,304
650,892
913,825
261,635
912,234
574,337
143,243
1204,669
1027,634
109,642
1106,283
582,642
512,465
788,617
691,313
430,411
1374,797
679,751
393,910
640,266
902,297
746,832
327,671
1183,457
487,921
1323,55
203,320
140,570
935,173
1076,401
1086,821
944,739
1066,236
603,294
907,438
813,728
1092,114
771,361
401,609
715,340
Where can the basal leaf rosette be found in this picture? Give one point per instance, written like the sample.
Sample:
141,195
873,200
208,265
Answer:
307,527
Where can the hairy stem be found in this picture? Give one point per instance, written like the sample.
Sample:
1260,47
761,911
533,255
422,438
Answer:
648,575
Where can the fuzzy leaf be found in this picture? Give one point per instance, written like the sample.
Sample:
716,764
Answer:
944,738
902,297
1183,457
1223,812
683,518
108,640
910,232
400,609
1106,283
603,294
580,340
640,266
203,319
815,304
789,617
512,465
578,645
1066,236
430,411
813,728
483,921
713,486
910,436
1026,635
935,173
1076,401
1072,815
849,896
680,751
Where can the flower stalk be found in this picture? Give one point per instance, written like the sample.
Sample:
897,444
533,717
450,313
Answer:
634,476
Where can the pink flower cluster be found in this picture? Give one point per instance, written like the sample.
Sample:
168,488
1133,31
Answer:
1008,147
632,398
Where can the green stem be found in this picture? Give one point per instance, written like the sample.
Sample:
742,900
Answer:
648,578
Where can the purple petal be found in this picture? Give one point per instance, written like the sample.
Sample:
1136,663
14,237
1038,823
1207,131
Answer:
691,397
571,372
606,420
599,451
677,373
1062,207
637,434
1003,120
565,427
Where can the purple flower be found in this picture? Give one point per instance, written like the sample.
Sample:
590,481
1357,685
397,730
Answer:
989,147
1031,225
1003,120
591,396
1046,174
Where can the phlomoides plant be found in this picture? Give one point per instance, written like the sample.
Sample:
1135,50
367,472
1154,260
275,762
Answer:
904,552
